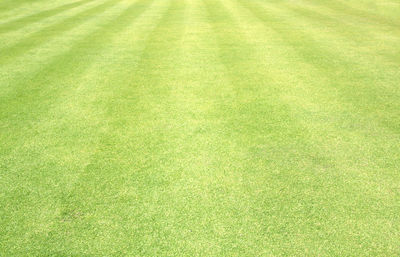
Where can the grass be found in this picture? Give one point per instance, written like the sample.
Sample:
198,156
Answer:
199,128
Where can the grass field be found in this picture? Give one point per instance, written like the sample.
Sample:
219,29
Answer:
199,128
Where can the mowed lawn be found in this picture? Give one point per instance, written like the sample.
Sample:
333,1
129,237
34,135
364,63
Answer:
199,128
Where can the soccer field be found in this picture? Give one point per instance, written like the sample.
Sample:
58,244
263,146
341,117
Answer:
199,128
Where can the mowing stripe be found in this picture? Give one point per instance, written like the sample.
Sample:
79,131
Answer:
308,89
287,144
333,163
350,11
359,37
37,93
26,66
369,121
199,128
38,17
64,113
326,61
46,34
354,35
16,5
130,174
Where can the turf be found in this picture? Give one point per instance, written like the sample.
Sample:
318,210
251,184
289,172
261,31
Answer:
199,128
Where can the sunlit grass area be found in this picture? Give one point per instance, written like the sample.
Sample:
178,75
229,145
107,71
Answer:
199,128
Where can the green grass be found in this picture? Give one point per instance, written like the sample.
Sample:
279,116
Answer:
199,128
